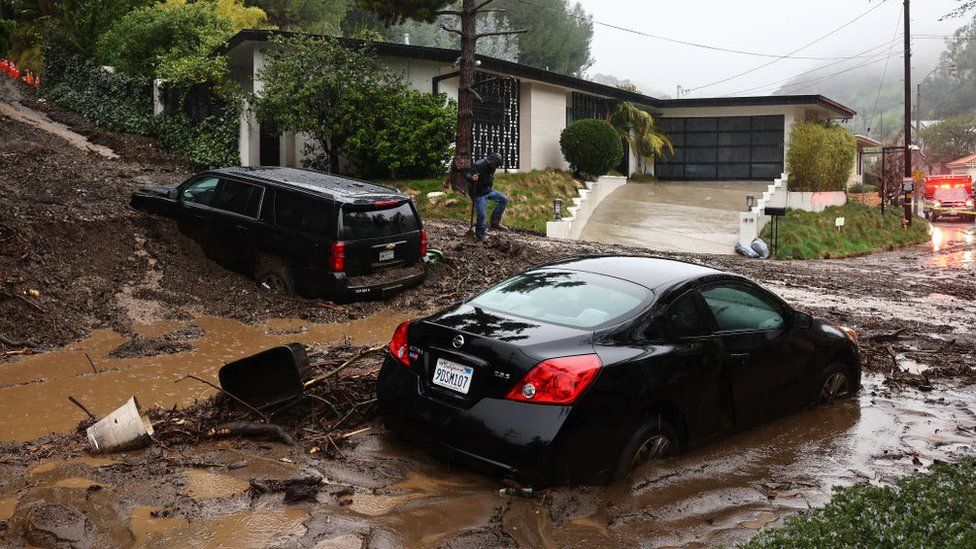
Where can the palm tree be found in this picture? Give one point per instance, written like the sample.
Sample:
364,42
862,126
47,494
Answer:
636,126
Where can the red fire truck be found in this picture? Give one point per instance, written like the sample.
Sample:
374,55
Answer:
949,196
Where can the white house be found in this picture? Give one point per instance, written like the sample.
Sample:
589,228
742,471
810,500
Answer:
963,166
523,114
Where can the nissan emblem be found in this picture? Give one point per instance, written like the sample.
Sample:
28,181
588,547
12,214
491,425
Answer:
458,341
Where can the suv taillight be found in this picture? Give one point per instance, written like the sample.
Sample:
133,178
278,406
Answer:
557,380
399,346
337,262
423,242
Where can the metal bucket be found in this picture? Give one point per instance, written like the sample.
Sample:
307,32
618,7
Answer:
268,378
123,429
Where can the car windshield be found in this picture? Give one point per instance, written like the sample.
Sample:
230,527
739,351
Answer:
362,224
568,298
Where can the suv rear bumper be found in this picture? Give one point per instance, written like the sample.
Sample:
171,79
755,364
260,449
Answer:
343,288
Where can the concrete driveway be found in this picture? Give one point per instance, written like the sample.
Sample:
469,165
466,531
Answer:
680,216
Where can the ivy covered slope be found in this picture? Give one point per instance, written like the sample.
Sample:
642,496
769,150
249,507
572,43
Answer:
806,235
530,197
936,509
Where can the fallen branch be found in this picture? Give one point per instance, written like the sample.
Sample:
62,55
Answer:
82,406
252,429
90,361
14,343
882,337
346,364
246,405
354,433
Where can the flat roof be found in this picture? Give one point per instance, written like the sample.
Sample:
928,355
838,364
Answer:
518,70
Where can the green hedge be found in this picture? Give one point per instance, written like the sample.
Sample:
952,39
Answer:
820,157
123,103
592,147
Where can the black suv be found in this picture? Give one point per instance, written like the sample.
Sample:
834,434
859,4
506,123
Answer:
300,231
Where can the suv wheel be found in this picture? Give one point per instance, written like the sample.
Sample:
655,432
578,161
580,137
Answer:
655,439
273,274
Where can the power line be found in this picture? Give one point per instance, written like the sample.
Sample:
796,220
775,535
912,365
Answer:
866,54
818,40
884,74
778,57
879,57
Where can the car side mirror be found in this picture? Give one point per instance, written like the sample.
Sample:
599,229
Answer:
802,320
174,194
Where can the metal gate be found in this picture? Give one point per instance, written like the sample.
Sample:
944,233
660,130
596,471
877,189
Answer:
495,121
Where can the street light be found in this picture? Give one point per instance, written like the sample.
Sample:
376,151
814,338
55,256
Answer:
750,202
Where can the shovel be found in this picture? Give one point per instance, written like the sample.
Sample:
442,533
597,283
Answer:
277,375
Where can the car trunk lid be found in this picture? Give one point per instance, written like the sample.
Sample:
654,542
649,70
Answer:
498,350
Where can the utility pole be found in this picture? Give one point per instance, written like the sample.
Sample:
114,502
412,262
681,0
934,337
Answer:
908,111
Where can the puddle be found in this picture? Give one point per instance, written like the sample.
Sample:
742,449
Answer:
7,508
206,485
259,528
911,365
88,461
77,483
34,391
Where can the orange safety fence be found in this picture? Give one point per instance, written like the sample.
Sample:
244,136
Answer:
10,68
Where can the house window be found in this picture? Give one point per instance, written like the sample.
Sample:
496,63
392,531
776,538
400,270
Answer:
588,106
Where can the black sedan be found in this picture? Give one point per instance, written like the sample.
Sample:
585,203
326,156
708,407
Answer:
577,371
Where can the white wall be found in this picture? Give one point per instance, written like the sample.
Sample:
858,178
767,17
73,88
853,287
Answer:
419,74
542,120
969,170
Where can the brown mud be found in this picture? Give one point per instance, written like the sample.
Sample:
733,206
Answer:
113,303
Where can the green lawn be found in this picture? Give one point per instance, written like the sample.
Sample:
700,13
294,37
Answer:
936,509
805,235
530,197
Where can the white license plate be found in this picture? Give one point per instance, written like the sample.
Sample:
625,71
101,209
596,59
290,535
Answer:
453,376
386,255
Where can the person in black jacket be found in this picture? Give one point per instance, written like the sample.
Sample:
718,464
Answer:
481,178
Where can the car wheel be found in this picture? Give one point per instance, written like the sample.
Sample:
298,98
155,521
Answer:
273,274
655,439
836,383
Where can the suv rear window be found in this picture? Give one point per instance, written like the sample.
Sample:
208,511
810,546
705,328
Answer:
364,223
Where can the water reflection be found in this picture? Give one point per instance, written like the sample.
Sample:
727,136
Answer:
944,239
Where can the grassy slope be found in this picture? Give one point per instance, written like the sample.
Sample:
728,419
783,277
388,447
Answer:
530,197
805,235
937,509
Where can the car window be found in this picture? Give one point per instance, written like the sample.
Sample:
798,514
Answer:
302,212
737,307
239,198
200,191
365,223
685,318
568,298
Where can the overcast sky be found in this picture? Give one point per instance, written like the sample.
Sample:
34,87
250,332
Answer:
764,26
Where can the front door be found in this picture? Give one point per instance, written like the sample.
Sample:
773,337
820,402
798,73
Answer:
762,366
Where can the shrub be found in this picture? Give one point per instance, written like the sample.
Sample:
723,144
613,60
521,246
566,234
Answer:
862,188
592,147
211,142
7,28
820,157
409,134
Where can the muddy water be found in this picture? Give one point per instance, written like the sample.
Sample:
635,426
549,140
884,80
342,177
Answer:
953,247
34,391
719,494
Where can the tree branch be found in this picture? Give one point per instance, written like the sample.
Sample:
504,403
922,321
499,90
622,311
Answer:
500,33
449,12
455,31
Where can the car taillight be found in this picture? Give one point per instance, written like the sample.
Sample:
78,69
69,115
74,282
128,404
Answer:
337,262
423,242
399,346
557,380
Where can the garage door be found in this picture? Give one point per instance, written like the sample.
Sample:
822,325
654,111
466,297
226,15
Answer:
723,148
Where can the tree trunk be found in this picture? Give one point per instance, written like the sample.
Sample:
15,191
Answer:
464,138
